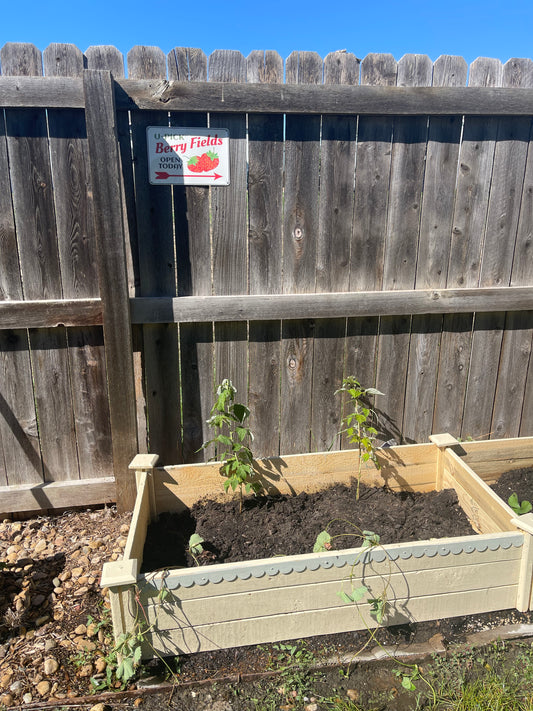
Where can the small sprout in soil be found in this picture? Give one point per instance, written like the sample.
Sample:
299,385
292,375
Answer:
232,442
195,547
358,424
519,508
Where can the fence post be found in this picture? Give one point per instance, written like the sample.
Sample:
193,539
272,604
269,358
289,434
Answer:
104,158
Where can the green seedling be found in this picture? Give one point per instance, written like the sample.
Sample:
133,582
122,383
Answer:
232,442
519,508
195,546
358,423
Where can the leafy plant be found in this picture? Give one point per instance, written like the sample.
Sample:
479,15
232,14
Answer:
232,442
358,423
519,508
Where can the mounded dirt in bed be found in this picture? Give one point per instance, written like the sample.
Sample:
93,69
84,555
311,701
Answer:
288,525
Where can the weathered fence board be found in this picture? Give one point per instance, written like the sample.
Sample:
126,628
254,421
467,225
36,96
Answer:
377,223
265,211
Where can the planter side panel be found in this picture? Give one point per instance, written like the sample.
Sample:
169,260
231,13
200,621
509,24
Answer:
491,458
273,608
408,467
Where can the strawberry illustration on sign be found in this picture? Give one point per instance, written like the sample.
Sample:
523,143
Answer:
204,163
188,156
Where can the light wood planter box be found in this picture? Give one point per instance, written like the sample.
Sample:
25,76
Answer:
279,598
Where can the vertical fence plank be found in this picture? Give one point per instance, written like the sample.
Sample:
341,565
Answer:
229,230
372,176
107,57
265,192
32,187
444,137
110,233
495,269
20,459
75,232
473,186
157,271
194,261
401,247
511,403
337,169
300,230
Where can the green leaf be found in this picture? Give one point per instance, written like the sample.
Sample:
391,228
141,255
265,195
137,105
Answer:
373,391
137,654
519,508
344,597
195,544
241,412
408,684
359,593
322,543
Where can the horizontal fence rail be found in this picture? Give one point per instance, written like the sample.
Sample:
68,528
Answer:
131,94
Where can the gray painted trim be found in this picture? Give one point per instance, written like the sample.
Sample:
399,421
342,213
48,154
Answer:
229,572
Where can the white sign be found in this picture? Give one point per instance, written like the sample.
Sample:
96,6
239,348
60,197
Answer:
187,156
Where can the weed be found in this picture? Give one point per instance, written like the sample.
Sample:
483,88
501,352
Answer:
232,441
358,424
519,508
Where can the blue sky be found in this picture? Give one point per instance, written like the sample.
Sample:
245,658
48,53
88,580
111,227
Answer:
433,27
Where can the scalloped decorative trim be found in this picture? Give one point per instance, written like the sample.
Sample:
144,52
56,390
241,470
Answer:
230,572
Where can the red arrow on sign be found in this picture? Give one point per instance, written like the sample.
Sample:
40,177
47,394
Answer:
165,176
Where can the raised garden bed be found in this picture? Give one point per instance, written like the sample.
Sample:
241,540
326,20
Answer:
286,597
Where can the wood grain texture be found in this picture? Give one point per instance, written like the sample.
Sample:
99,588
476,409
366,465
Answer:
444,135
498,248
77,255
229,230
111,260
265,211
300,229
35,220
336,203
157,271
193,268
401,245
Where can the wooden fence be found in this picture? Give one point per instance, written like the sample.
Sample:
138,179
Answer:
378,223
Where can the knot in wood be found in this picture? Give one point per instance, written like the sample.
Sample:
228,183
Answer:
298,233
291,362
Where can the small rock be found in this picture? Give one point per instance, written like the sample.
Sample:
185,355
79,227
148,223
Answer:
124,528
42,620
40,546
65,576
27,698
43,688
80,629
37,600
86,670
56,582
16,687
49,645
99,707
121,543
6,700
76,572
81,591
100,665
5,679
311,707
84,645
92,629
51,665
352,694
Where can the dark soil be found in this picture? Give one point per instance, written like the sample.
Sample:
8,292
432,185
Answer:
519,481
288,525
